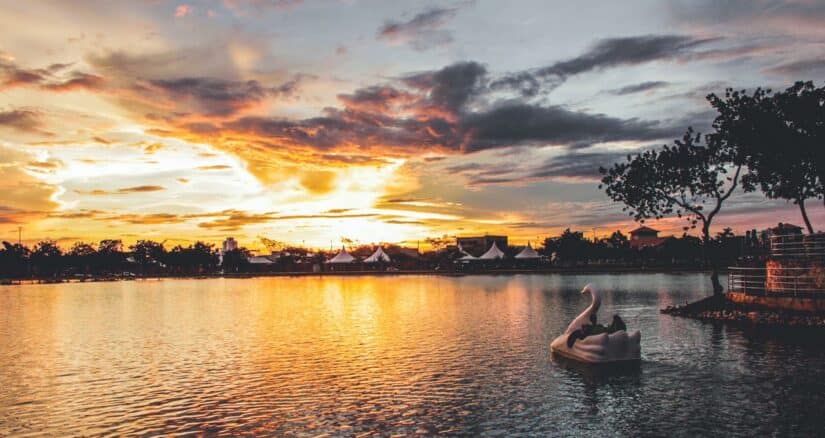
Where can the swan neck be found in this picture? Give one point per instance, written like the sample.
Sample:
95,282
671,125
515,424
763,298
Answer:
596,301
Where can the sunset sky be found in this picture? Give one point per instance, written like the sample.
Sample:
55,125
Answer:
309,121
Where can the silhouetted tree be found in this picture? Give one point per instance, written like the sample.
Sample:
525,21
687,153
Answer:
148,254
14,260
194,259
779,137
236,260
686,179
110,256
82,257
47,258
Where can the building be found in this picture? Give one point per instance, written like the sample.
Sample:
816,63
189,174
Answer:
644,237
478,245
229,244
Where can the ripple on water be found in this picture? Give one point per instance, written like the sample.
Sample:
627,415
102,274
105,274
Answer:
391,356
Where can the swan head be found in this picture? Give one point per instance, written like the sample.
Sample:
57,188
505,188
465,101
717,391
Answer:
594,294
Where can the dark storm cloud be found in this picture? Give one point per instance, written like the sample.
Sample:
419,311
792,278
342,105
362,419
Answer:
607,53
639,88
613,52
452,86
579,166
423,31
443,110
515,124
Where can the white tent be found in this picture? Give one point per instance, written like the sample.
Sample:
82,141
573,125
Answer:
342,257
259,260
378,256
528,253
492,253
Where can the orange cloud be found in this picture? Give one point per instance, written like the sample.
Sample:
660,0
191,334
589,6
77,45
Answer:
214,167
141,189
318,182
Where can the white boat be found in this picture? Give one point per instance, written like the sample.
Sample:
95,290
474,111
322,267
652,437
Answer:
602,348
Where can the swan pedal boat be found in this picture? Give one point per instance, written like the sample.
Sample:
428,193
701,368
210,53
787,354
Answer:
602,348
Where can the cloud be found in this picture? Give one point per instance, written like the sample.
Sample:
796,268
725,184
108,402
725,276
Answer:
606,53
151,148
790,17
214,167
122,191
22,196
613,52
573,166
236,220
146,219
421,32
51,78
141,189
526,124
639,88
803,69
21,120
319,182
260,5
216,97
452,86
77,81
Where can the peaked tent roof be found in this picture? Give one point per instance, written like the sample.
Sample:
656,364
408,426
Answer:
259,260
492,253
528,253
378,256
342,257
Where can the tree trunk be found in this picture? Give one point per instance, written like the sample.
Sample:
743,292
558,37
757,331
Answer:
710,259
801,203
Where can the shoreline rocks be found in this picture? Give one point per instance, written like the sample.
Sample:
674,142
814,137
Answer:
718,308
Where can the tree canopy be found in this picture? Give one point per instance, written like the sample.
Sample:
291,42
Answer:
779,137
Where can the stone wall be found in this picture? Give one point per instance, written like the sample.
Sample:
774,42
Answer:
808,305
789,275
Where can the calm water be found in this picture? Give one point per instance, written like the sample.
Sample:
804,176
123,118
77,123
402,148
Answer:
393,355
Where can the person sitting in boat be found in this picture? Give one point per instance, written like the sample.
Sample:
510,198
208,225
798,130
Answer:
594,329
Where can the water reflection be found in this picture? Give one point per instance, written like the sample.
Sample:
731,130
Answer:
403,355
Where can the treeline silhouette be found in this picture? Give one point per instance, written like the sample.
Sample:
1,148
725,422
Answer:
47,260
571,248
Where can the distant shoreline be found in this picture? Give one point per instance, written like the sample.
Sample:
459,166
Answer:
562,271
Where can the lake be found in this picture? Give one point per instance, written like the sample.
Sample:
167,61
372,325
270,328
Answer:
309,356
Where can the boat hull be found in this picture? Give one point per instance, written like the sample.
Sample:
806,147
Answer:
600,349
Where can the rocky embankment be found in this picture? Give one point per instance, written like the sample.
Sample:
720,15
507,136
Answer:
718,308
